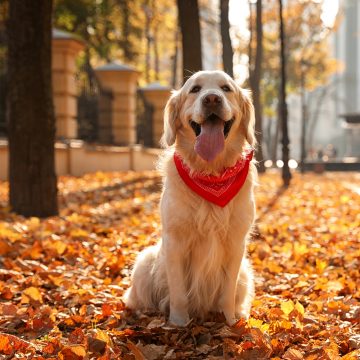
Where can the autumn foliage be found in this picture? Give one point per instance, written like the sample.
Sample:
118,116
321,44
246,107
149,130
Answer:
62,278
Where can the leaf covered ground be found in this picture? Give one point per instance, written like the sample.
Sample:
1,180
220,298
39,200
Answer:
62,278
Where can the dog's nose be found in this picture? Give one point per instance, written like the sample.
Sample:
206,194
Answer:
212,100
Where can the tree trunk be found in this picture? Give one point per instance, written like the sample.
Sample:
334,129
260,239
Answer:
255,83
303,121
191,39
126,30
156,53
148,16
227,50
175,60
286,175
275,142
250,48
33,190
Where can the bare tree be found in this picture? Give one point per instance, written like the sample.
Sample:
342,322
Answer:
148,16
33,190
286,175
227,50
156,52
191,37
255,78
174,60
304,118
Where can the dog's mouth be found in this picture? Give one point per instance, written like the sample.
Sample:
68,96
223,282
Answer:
196,127
210,136
213,118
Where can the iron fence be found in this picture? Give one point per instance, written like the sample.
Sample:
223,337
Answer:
94,111
144,120
94,108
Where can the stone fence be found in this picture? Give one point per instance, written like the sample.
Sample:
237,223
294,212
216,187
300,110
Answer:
78,158
119,79
75,157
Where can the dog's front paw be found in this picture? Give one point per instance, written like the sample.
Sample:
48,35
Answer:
231,319
242,314
179,318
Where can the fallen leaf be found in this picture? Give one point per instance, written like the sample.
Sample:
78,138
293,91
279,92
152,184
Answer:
31,294
72,352
135,350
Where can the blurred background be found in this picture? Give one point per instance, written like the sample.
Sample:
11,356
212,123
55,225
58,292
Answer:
114,63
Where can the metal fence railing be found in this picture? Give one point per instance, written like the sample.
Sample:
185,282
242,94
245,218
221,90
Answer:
144,120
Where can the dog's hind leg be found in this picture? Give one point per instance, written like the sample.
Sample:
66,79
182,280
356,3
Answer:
140,295
245,290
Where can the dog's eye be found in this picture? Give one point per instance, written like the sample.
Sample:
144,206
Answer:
225,88
195,89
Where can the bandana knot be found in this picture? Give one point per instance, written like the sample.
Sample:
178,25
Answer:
221,189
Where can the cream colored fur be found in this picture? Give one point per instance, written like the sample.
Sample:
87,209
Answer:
200,265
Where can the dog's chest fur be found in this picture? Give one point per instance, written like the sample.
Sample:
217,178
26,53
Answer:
209,235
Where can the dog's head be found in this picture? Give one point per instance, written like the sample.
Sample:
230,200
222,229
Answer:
210,118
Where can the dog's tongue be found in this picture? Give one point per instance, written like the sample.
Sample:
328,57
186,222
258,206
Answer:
211,140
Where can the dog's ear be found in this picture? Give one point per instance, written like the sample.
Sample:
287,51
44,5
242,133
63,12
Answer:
171,115
248,116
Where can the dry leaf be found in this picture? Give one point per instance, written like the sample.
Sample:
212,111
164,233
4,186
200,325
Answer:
62,279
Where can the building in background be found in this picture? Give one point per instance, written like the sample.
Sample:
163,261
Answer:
347,50
326,128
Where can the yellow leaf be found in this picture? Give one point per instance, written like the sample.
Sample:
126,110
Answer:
273,267
299,308
276,326
301,284
7,233
320,266
257,323
344,199
354,355
299,324
102,335
299,250
287,307
31,294
60,247
79,233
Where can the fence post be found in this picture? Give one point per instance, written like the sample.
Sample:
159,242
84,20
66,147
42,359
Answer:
122,81
157,95
65,48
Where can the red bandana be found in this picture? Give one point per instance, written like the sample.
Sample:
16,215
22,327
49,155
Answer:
216,189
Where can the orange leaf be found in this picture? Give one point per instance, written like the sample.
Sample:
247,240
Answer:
136,352
72,352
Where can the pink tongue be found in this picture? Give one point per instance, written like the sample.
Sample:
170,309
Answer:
211,140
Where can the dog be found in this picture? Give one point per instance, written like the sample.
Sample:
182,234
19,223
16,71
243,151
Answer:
200,266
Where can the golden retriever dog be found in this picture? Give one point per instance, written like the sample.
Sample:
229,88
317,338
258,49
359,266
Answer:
200,266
